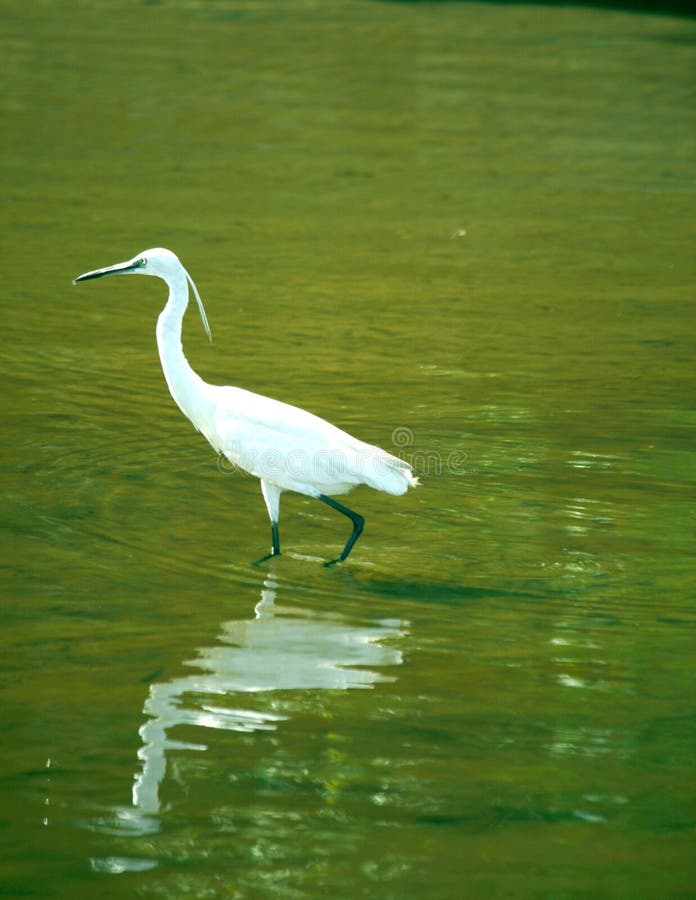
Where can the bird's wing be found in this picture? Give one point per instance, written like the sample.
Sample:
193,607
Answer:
298,450
239,413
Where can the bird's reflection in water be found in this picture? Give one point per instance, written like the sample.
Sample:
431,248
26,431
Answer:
279,649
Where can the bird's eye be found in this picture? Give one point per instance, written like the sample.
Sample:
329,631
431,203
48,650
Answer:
141,262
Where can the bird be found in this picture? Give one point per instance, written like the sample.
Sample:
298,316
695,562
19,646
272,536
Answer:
286,447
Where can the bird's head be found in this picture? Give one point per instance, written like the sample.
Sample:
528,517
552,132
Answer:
159,262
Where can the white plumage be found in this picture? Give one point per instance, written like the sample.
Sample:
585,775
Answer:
287,448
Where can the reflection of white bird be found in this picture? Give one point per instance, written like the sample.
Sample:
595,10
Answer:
286,447
281,650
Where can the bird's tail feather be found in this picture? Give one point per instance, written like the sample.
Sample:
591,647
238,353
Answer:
391,474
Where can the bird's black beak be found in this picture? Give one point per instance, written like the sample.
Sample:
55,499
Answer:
119,269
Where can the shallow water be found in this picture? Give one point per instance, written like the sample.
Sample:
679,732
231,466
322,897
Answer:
464,232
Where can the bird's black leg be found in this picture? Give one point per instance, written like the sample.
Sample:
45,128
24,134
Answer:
356,519
275,549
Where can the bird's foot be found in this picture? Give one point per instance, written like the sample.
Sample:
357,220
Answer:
265,558
339,559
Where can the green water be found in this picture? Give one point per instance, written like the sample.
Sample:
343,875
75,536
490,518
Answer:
463,232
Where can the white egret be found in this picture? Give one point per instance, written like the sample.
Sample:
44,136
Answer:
286,447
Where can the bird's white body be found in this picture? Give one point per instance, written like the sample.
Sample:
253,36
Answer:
297,450
286,447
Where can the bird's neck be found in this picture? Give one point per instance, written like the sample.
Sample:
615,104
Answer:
191,394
